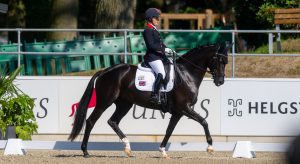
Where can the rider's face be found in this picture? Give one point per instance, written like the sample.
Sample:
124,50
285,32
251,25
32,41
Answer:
155,21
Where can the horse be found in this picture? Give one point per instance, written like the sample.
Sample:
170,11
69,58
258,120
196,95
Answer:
116,85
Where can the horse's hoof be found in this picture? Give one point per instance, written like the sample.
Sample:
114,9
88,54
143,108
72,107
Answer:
166,156
128,152
210,150
163,152
86,155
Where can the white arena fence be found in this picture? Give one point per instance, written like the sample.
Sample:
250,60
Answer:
271,35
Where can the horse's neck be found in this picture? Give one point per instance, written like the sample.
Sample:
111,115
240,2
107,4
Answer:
194,66
190,75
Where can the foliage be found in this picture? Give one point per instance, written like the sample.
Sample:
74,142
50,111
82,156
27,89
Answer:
266,10
287,46
264,49
258,15
16,108
189,10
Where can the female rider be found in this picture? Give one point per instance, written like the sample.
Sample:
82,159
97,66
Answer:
156,50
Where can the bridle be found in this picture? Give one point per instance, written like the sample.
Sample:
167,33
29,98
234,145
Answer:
212,62
222,58
212,71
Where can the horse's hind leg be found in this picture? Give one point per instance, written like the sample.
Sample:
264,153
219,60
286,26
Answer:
122,108
195,116
90,122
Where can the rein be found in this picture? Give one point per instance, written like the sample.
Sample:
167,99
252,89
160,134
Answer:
200,68
174,55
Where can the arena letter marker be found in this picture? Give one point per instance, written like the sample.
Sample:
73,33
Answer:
14,147
243,149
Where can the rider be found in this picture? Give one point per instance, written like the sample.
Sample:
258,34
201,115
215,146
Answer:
156,50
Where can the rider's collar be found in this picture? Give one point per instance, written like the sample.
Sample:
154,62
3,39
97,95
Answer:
150,25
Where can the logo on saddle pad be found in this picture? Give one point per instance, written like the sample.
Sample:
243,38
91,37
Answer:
142,83
144,79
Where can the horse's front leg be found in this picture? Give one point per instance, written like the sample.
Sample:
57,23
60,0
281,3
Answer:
195,116
173,122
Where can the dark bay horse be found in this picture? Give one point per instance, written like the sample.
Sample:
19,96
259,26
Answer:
116,85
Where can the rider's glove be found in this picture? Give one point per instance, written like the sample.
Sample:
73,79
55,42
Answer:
168,51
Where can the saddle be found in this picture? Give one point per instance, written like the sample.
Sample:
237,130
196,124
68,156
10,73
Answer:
145,78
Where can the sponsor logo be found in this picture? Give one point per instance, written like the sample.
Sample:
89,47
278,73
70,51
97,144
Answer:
239,107
235,110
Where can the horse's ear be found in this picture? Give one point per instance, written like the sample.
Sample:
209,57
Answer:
221,47
224,47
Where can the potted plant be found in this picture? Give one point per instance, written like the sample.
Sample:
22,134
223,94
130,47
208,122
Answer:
16,108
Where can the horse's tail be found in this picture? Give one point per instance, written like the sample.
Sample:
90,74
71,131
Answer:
80,115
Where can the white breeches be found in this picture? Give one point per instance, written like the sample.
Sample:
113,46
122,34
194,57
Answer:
158,67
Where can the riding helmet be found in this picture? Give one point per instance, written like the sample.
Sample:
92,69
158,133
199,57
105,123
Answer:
151,13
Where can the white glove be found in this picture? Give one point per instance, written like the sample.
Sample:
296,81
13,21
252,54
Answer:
168,50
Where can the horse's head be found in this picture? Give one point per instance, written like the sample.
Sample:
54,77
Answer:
214,57
218,63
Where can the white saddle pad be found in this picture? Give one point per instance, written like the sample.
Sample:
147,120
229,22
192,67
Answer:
144,79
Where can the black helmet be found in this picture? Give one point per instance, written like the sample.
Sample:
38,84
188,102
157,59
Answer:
151,13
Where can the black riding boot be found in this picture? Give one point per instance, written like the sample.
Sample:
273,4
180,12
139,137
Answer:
157,84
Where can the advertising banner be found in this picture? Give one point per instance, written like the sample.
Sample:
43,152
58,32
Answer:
257,107
55,97
260,107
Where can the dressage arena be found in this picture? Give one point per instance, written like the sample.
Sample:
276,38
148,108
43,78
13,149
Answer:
73,156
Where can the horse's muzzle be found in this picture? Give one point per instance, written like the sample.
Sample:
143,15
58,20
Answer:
219,81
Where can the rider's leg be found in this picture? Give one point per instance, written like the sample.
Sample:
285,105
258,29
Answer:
158,67
157,84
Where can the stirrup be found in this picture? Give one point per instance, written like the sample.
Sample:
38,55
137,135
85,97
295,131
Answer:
155,98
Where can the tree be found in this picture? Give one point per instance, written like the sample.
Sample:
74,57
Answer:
37,16
86,15
15,17
63,15
16,14
115,14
